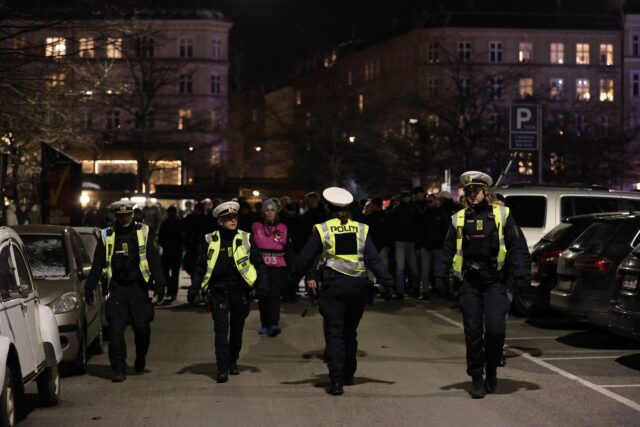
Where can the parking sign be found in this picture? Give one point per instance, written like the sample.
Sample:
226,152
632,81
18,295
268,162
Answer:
524,127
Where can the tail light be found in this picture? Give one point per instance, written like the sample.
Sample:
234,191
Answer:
550,258
597,265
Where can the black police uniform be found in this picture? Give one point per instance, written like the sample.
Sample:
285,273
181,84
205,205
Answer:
341,300
128,300
483,294
229,299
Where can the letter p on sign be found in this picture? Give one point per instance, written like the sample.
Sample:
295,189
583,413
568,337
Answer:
523,115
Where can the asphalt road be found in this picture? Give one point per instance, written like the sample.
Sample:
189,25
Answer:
411,372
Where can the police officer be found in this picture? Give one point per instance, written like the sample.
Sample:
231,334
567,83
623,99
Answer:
229,266
347,252
477,243
128,261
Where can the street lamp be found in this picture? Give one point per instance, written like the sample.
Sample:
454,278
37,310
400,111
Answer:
258,148
352,139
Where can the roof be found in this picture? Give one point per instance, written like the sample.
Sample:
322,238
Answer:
598,216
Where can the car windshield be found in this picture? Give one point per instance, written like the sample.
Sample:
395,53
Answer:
596,237
46,256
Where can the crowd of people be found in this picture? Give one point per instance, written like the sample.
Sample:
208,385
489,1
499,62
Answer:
408,231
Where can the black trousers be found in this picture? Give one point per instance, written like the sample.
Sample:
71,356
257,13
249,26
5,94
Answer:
229,309
341,302
269,305
484,310
128,305
171,270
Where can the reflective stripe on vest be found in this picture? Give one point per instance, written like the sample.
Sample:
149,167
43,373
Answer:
241,255
349,264
500,214
109,241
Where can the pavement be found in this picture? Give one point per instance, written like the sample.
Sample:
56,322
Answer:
411,372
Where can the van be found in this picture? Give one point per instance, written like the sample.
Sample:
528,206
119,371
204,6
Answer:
538,209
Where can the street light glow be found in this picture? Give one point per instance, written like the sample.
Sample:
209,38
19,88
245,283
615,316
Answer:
256,193
352,139
190,148
258,148
413,121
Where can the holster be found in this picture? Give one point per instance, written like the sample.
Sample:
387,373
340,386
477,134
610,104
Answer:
480,271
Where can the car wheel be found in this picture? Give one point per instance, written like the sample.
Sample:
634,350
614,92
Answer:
80,364
8,406
49,386
98,343
521,306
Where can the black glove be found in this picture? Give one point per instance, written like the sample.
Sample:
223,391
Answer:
520,284
160,292
89,296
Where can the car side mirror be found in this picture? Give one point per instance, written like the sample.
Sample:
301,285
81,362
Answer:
83,273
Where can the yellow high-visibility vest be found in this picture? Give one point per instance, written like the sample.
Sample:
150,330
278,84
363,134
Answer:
349,264
500,214
109,241
241,255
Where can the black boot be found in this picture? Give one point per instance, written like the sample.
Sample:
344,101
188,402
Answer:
492,380
139,364
478,391
118,376
223,376
233,369
336,388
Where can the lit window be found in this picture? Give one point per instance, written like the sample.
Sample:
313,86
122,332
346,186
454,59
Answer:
582,90
361,103
635,84
606,89
495,52
526,88
216,84
367,72
433,54
116,166
86,47
557,53
582,54
464,51
525,164
432,87
113,119
556,88
186,48
606,54
217,48
525,52
114,47
55,47
184,117
185,84
298,97
56,80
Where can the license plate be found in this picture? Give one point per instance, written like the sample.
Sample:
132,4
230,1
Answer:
630,283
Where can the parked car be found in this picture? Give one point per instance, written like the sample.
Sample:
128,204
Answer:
90,237
586,270
544,262
537,210
29,341
60,266
624,310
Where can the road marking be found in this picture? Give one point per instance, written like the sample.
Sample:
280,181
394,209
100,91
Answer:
620,386
580,357
621,399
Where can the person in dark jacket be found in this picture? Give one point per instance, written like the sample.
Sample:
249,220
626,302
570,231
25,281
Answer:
229,267
432,221
482,239
128,260
196,226
404,225
348,252
170,239
377,220
290,216
314,214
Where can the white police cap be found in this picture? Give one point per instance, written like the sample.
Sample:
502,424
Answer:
337,196
122,207
476,178
226,208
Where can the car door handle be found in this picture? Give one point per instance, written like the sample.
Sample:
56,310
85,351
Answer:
24,306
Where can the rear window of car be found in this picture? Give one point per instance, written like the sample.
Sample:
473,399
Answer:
596,237
528,211
581,205
565,232
47,257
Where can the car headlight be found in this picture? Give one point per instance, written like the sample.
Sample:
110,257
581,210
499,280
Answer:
66,303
